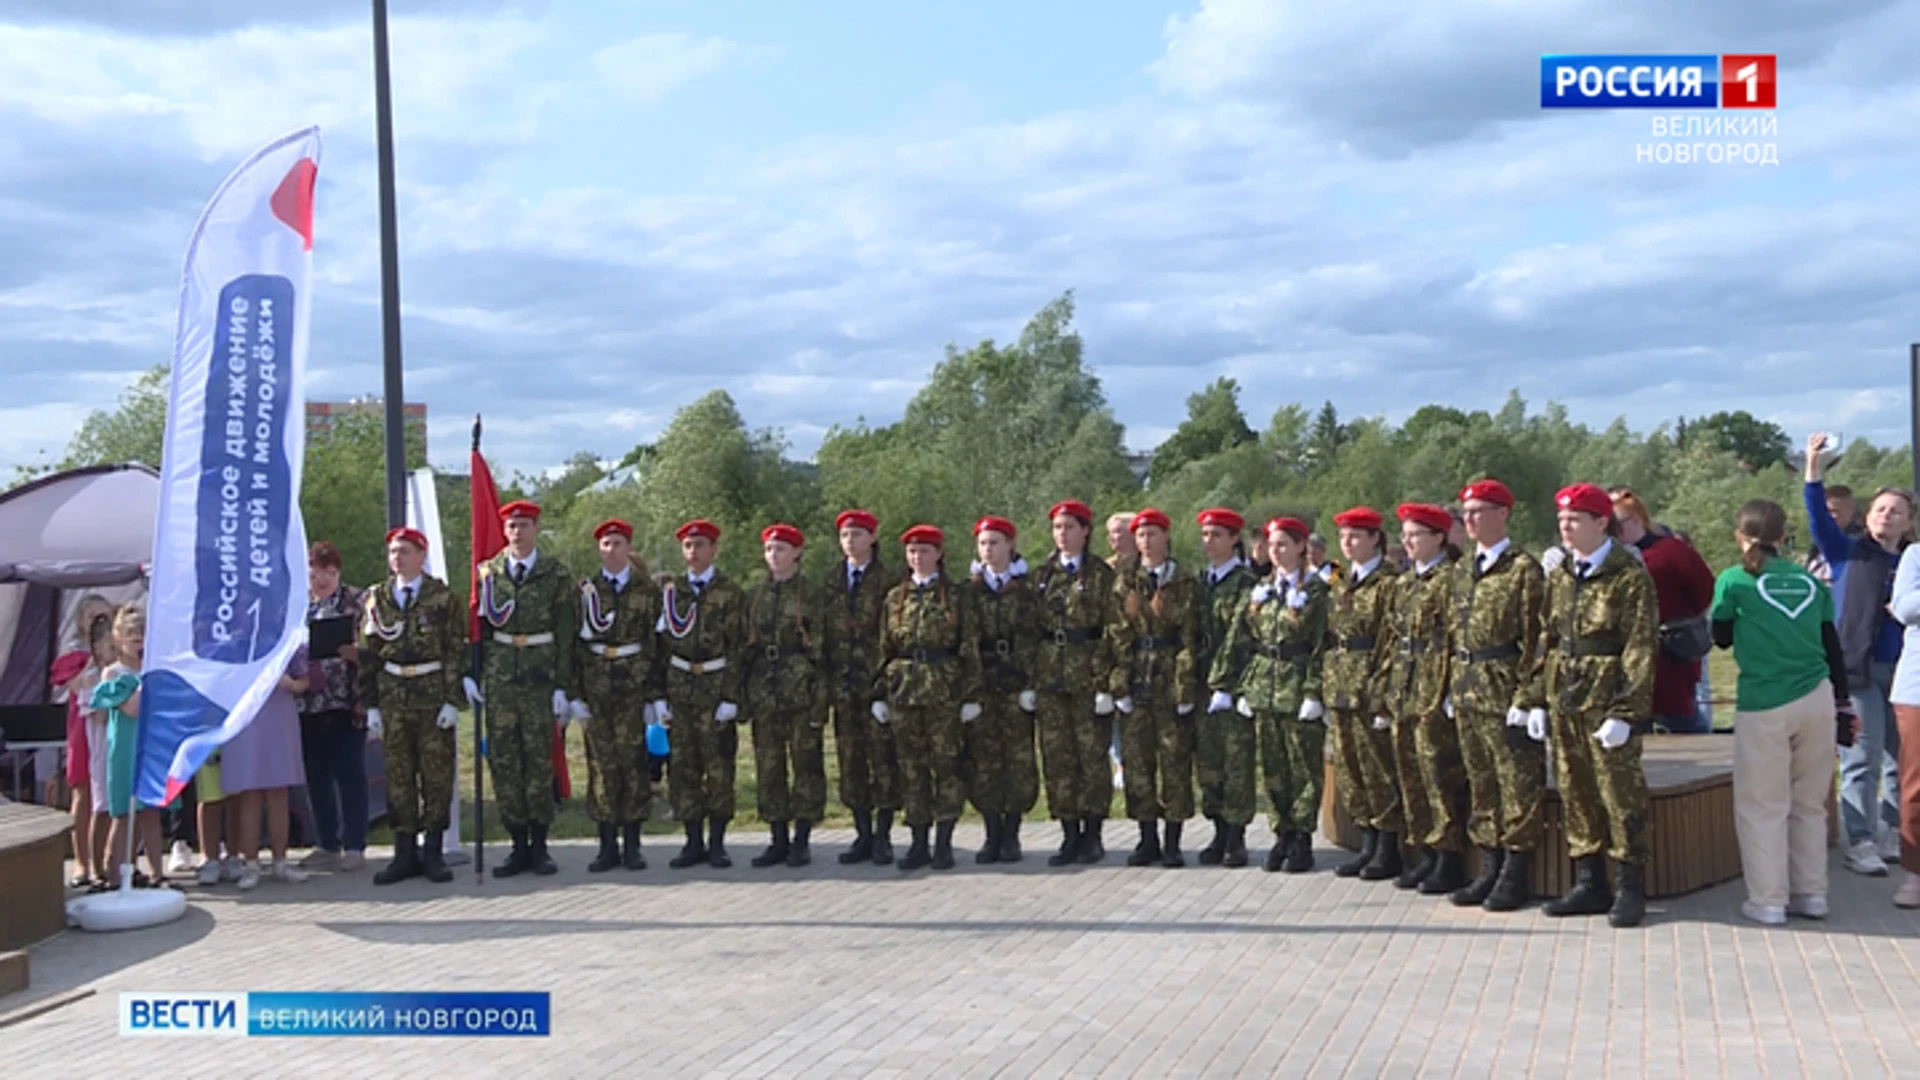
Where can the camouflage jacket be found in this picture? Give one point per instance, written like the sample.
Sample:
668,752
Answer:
1360,642
1154,651
698,633
929,646
1073,654
1283,637
1601,640
1226,599
1496,626
1009,621
612,626
850,628
432,631
543,604
1420,624
783,646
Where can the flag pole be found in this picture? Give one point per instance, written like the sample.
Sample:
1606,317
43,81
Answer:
389,276
475,660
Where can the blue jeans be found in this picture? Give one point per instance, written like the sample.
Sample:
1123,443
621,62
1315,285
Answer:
336,758
1869,769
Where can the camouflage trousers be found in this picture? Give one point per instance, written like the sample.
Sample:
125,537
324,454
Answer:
705,752
519,754
1002,774
1293,754
790,765
928,741
1364,764
1157,745
1603,793
1442,776
869,769
1073,746
1506,780
1410,772
619,787
1227,762
419,770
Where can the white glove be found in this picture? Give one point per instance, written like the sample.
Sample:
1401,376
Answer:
1183,710
1613,733
725,712
447,717
1262,593
375,726
1221,701
882,713
1537,725
662,714
1103,704
1244,708
1516,716
969,713
578,710
1125,705
474,696
1311,709
1446,706
560,704
1029,701
1383,723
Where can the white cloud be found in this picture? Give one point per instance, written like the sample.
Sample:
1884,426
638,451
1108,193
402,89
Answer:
644,69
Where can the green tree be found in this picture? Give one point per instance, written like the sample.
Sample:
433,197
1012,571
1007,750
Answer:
1325,439
343,493
1755,443
1214,423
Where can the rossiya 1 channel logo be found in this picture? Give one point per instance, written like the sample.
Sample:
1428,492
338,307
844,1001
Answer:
1677,85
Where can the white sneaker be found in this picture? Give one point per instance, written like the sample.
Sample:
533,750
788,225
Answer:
249,875
1908,894
1765,914
320,859
286,873
350,861
1807,905
210,873
1864,858
231,867
1888,844
180,859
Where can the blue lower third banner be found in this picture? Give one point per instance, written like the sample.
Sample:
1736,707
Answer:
259,1013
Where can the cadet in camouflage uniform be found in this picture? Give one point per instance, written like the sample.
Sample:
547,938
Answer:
528,600
1073,673
704,636
1433,781
785,699
616,676
929,659
1602,639
1359,661
1282,635
1224,739
1153,631
412,645
1003,778
1499,602
856,591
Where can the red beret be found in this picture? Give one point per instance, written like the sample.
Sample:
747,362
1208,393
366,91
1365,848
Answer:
1223,517
410,535
698,527
519,508
1586,498
1072,508
1427,514
997,524
1146,517
611,526
783,532
924,534
1491,491
1291,526
859,519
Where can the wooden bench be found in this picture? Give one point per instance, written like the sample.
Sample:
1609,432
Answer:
33,852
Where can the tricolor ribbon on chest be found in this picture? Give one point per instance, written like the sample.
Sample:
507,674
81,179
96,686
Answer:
375,627
495,610
676,624
594,619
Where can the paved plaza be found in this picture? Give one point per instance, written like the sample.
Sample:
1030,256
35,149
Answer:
998,971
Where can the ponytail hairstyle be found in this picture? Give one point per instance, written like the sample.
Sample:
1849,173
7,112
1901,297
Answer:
1763,525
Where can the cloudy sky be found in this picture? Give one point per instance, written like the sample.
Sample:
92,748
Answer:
609,207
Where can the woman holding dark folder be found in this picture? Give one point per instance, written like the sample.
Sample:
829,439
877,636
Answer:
333,725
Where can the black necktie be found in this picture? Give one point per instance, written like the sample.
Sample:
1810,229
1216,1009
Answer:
1153,583
1580,569
853,580
406,597
699,587
1479,564
519,573
616,583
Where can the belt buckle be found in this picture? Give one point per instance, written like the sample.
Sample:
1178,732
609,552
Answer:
1060,638
520,641
772,653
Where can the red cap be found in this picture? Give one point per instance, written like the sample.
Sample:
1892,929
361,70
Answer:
698,527
1433,517
1293,527
519,508
783,532
1223,517
611,526
924,534
997,524
1586,498
410,535
1491,491
1360,517
1149,516
1072,508
859,519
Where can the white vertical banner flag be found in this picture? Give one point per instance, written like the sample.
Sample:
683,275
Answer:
227,607
423,513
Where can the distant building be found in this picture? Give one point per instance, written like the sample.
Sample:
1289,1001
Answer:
1140,463
321,415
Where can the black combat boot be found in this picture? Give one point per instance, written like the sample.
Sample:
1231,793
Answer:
1590,894
1629,896
537,858
1369,847
1475,893
776,853
1216,848
1236,854
433,861
917,855
609,856
801,852
517,862
989,848
1514,890
1282,847
406,861
632,859
862,849
1010,838
1449,873
1093,847
883,839
1069,843
1170,856
1147,851
942,846
717,856
1300,857
1386,859
694,851
1418,870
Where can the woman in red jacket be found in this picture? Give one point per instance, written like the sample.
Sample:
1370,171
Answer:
1684,585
